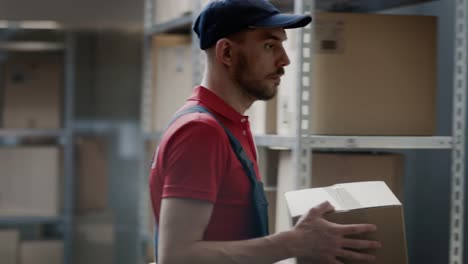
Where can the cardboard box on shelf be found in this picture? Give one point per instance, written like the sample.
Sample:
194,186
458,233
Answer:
172,78
330,168
373,74
168,10
30,182
41,252
9,244
94,238
91,178
33,92
268,165
262,117
360,202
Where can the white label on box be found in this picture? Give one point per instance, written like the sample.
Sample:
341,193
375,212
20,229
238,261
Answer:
329,36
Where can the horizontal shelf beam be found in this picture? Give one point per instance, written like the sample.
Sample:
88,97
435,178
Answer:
95,127
363,5
156,136
30,220
346,142
378,142
30,133
31,46
274,141
178,25
357,142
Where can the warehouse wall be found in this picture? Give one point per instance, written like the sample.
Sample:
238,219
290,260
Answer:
427,182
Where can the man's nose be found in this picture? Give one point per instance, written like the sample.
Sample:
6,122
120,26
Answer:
284,59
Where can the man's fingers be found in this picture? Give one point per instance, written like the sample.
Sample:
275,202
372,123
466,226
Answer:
357,256
322,209
360,244
356,229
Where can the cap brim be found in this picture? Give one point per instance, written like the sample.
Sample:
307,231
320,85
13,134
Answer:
284,21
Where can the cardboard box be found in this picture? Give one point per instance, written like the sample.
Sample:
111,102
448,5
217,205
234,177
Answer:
91,178
33,92
30,181
262,117
9,244
333,168
168,10
172,78
41,252
373,74
94,238
268,165
362,202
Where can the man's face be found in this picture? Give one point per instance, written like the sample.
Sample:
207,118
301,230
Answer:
259,61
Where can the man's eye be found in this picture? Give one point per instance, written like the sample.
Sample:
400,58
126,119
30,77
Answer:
269,46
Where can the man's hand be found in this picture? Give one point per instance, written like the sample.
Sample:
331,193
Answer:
321,241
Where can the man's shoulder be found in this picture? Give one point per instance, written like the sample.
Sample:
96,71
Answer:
195,124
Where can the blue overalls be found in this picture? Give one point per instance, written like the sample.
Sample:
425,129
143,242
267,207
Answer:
259,201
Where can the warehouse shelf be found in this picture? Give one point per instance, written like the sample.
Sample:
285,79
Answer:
30,133
178,25
300,143
362,5
152,136
95,126
30,220
34,37
29,46
345,142
371,142
349,5
356,142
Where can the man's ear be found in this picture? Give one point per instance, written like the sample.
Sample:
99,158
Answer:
223,51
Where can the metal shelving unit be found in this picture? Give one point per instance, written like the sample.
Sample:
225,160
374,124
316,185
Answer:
301,143
64,136
30,220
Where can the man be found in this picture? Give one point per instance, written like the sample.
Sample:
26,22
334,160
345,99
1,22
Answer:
208,204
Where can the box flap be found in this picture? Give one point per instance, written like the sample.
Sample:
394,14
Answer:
344,197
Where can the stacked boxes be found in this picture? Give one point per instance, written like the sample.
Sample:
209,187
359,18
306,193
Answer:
372,75
91,178
33,92
172,78
169,10
9,244
30,181
41,252
94,238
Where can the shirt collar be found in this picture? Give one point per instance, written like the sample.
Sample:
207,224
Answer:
215,103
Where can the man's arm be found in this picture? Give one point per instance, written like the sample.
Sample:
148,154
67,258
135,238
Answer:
183,223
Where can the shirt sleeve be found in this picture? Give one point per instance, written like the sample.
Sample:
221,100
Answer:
195,160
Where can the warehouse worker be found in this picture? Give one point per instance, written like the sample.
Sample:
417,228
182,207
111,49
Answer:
206,193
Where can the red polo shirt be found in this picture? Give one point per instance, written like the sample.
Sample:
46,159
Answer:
195,160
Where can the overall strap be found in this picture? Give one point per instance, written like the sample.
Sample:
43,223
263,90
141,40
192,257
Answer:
258,196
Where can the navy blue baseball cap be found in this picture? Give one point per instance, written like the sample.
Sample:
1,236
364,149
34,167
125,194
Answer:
221,18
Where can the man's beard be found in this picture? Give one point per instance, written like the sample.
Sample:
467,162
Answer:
254,86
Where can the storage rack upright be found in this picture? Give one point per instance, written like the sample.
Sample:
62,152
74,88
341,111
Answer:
64,135
302,143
